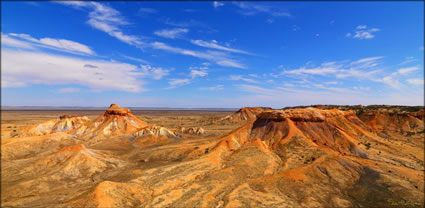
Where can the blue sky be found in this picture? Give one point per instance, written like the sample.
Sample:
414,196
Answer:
212,54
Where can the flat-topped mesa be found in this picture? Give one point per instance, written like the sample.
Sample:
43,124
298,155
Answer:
304,114
115,109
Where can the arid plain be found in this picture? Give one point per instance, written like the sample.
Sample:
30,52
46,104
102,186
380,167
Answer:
319,156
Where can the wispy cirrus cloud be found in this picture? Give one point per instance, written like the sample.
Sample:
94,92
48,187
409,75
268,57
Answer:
173,83
28,42
362,68
366,69
363,32
214,45
171,33
155,72
213,88
109,20
408,69
12,42
219,58
242,78
251,8
106,19
197,73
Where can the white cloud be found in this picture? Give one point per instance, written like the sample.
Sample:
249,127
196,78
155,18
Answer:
109,20
198,73
155,72
367,61
69,90
173,83
217,4
27,42
361,27
218,57
363,32
213,44
23,68
340,70
366,68
239,77
56,44
407,69
407,60
171,33
106,19
323,69
250,9
389,80
8,41
416,81
213,88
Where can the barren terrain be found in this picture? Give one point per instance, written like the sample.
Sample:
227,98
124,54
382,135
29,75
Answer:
326,156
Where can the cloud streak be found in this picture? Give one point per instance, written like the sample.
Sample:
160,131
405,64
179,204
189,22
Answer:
250,9
173,83
213,88
214,45
219,58
28,42
171,33
106,19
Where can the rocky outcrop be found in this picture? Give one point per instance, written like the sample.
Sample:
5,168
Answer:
115,109
192,130
63,124
116,121
154,130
